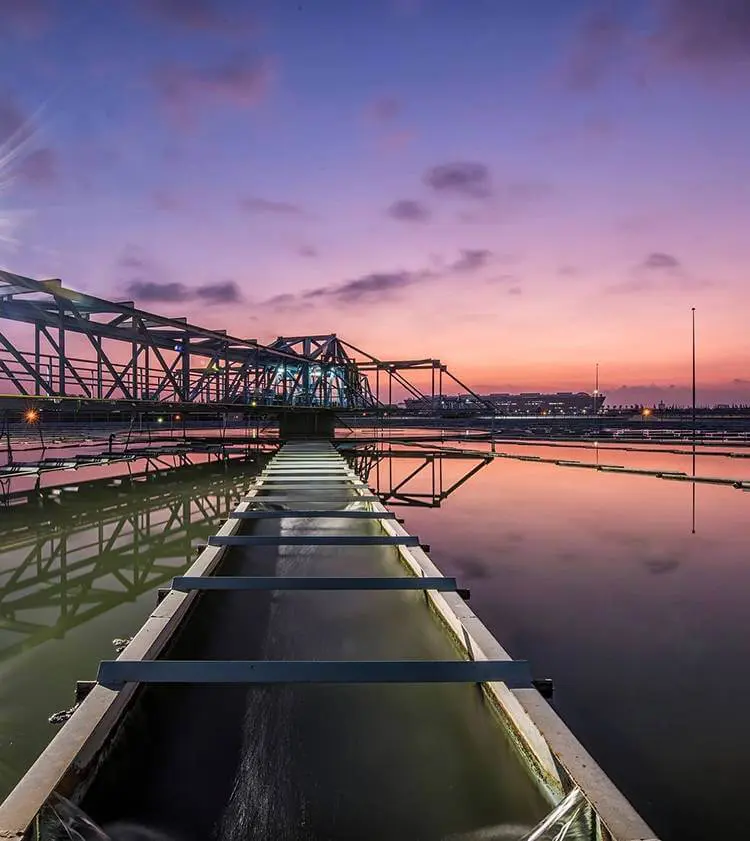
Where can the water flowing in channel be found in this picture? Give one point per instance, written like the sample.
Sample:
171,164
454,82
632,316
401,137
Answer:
61,820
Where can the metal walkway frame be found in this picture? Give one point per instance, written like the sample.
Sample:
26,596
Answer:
552,753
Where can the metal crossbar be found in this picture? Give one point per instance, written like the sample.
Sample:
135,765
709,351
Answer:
295,471
311,540
286,500
114,674
306,513
311,487
275,582
301,480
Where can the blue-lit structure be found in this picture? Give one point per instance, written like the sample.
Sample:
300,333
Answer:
69,349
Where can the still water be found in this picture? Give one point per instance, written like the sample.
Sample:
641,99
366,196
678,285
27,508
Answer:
631,592
599,581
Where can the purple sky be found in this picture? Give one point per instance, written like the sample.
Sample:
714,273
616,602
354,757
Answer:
519,188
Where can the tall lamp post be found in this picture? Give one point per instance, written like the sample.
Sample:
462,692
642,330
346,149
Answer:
693,417
694,431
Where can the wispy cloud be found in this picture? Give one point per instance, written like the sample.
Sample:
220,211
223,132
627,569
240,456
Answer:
598,48
199,15
706,37
385,109
242,81
708,33
223,292
210,294
379,287
146,281
658,271
166,200
660,260
471,260
409,210
374,287
149,291
256,204
464,179
39,168
25,18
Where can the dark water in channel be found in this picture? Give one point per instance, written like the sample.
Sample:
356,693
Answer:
597,579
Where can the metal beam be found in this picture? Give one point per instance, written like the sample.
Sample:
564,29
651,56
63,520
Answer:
311,540
259,582
308,513
114,674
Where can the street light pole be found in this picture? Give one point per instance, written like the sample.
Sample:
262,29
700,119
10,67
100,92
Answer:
694,431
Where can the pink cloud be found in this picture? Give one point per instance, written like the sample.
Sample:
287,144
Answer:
397,141
596,50
39,168
26,18
201,15
167,200
241,82
712,36
385,109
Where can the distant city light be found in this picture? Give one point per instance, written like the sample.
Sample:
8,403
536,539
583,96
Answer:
160,420
31,416
646,412
178,417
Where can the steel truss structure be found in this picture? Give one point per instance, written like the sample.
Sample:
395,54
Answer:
97,350
88,351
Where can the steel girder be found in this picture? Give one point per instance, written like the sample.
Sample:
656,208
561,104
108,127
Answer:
92,349
123,353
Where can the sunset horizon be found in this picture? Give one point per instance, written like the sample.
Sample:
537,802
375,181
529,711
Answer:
520,192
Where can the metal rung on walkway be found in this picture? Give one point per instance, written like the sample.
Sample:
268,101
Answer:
305,513
311,480
287,500
311,487
276,582
311,540
115,673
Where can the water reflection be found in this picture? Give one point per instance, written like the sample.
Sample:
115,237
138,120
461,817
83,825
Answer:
412,476
80,570
67,562
631,592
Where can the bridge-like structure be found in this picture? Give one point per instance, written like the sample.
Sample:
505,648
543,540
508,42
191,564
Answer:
66,350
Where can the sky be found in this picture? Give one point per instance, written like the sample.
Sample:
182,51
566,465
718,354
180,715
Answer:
521,188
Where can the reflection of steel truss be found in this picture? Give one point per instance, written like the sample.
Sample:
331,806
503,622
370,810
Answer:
82,351
87,559
421,481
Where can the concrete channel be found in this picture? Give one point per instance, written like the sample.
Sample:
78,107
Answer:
314,675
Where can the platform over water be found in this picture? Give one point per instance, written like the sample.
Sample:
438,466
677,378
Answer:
307,761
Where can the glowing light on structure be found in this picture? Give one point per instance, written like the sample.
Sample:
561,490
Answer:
31,415
160,420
